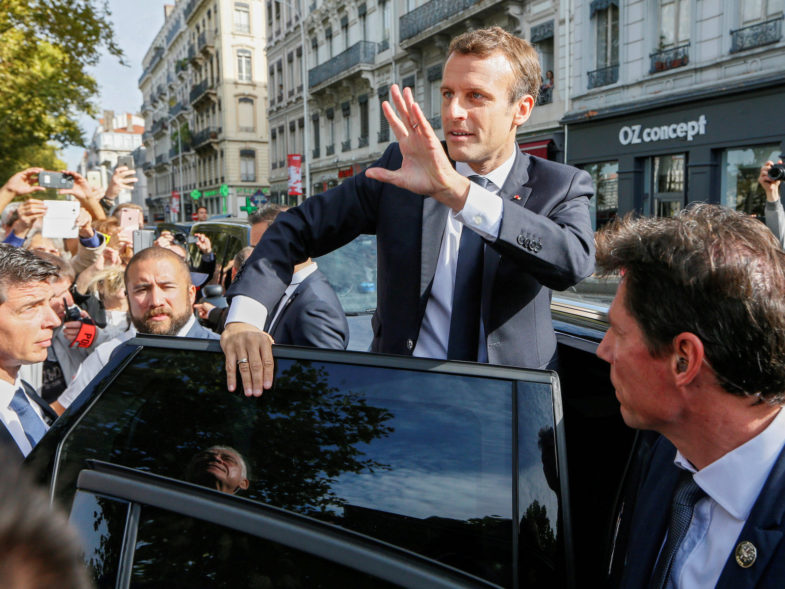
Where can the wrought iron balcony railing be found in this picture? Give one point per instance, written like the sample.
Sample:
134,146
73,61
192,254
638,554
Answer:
383,136
429,14
362,141
667,59
756,35
346,145
330,150
360,52
603,76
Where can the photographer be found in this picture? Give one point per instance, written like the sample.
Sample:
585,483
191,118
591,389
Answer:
775,216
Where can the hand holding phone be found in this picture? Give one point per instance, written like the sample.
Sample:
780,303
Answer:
57,180
60,218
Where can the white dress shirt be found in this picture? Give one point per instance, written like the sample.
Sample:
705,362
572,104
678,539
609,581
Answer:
482,212
297,279
11,419
95,362
732,485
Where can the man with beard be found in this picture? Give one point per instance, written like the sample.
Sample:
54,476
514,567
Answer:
219,467
160,302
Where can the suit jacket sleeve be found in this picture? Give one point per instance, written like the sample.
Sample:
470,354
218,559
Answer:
556,244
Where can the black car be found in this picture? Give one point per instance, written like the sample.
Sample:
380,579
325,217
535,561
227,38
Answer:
458,470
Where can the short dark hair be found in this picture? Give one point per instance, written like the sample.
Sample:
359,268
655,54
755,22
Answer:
520,54
266,214
160,253
20,266
201,207
241,256
65,269
38,549
713,272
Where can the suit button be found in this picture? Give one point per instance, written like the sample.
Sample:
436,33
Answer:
410,344
521,239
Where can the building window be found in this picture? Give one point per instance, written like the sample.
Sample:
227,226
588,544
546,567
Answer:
739,184
386,20
753,11
384,126
316,136
328,36
242,18
364,125
345,31
244,65
607,23
361,15
245,115
605,205
247,165
674,23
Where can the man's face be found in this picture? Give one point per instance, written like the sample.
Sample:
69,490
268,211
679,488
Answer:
478,120
642,381
160,296
27,322
201,214
257,231
220,467
39,243
62,290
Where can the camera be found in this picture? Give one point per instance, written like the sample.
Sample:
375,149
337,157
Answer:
777,172
72,313
55,180
184,239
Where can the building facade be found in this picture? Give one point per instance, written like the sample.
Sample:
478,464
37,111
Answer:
675,101
205,92
116,135
354,51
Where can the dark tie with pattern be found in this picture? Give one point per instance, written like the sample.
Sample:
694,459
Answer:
465,318
687,494
32,425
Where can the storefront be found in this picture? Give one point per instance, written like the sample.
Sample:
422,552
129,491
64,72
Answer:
655,159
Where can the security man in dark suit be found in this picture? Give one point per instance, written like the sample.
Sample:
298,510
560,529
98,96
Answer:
696,346
470,241
27,324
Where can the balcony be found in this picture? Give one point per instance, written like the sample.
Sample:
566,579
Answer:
175,153
176,109
362,52
346,145
315,154
362,141
205,137
756,35
178,26
329,150
383,136
190,8
147,166
147,136
161,160
667,59
159,127
603,76
192,52
181,66
203,89
430,14
205,42
159,90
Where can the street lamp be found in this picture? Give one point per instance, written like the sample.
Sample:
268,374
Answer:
306,141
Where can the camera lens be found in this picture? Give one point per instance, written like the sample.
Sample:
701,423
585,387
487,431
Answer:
180,237
777,172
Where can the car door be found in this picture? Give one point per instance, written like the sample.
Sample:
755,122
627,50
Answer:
461,463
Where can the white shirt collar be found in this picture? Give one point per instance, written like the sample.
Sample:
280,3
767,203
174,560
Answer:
498,175
303,273
736,479
187,327
7,391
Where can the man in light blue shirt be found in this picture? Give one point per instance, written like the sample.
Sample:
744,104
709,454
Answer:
696,346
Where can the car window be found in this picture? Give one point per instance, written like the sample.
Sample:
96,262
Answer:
419,458
351,271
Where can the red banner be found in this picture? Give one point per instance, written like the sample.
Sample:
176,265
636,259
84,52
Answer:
294,161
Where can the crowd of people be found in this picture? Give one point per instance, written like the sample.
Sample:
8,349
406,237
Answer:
472,236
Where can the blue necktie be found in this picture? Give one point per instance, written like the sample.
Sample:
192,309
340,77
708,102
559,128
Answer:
687,494
32,425
465,318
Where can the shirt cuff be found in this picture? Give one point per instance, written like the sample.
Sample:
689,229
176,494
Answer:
482,212
92,242
247,310
13,240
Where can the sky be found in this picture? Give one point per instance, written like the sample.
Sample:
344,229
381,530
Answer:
135,24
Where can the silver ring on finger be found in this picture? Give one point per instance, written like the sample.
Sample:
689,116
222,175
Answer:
414,126
243,361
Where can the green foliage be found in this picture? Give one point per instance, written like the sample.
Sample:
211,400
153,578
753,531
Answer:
45,48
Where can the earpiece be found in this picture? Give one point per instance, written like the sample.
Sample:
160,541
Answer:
681,365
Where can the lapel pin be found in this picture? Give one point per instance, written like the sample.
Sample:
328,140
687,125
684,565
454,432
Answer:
517,197
746,554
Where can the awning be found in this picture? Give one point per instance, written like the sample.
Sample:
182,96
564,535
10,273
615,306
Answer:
538,148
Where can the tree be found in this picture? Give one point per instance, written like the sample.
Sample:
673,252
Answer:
46,47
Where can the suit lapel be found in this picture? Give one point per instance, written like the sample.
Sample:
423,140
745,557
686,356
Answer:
8,441
763,528
515,185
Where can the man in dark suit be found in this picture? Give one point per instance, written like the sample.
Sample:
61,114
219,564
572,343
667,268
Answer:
27,324
696,346
160,302
470,241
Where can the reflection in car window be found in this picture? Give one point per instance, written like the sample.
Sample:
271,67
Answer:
351,271
176,551
420,459
100,523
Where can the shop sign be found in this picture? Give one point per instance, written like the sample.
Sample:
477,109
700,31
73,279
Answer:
634,134
345,172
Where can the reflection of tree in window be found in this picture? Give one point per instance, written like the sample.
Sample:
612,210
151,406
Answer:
607,20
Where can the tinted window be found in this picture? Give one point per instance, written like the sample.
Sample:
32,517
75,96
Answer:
351,271
177,551
100,523
420,459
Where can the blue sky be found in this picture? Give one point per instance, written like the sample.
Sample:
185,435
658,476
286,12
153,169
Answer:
136,24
